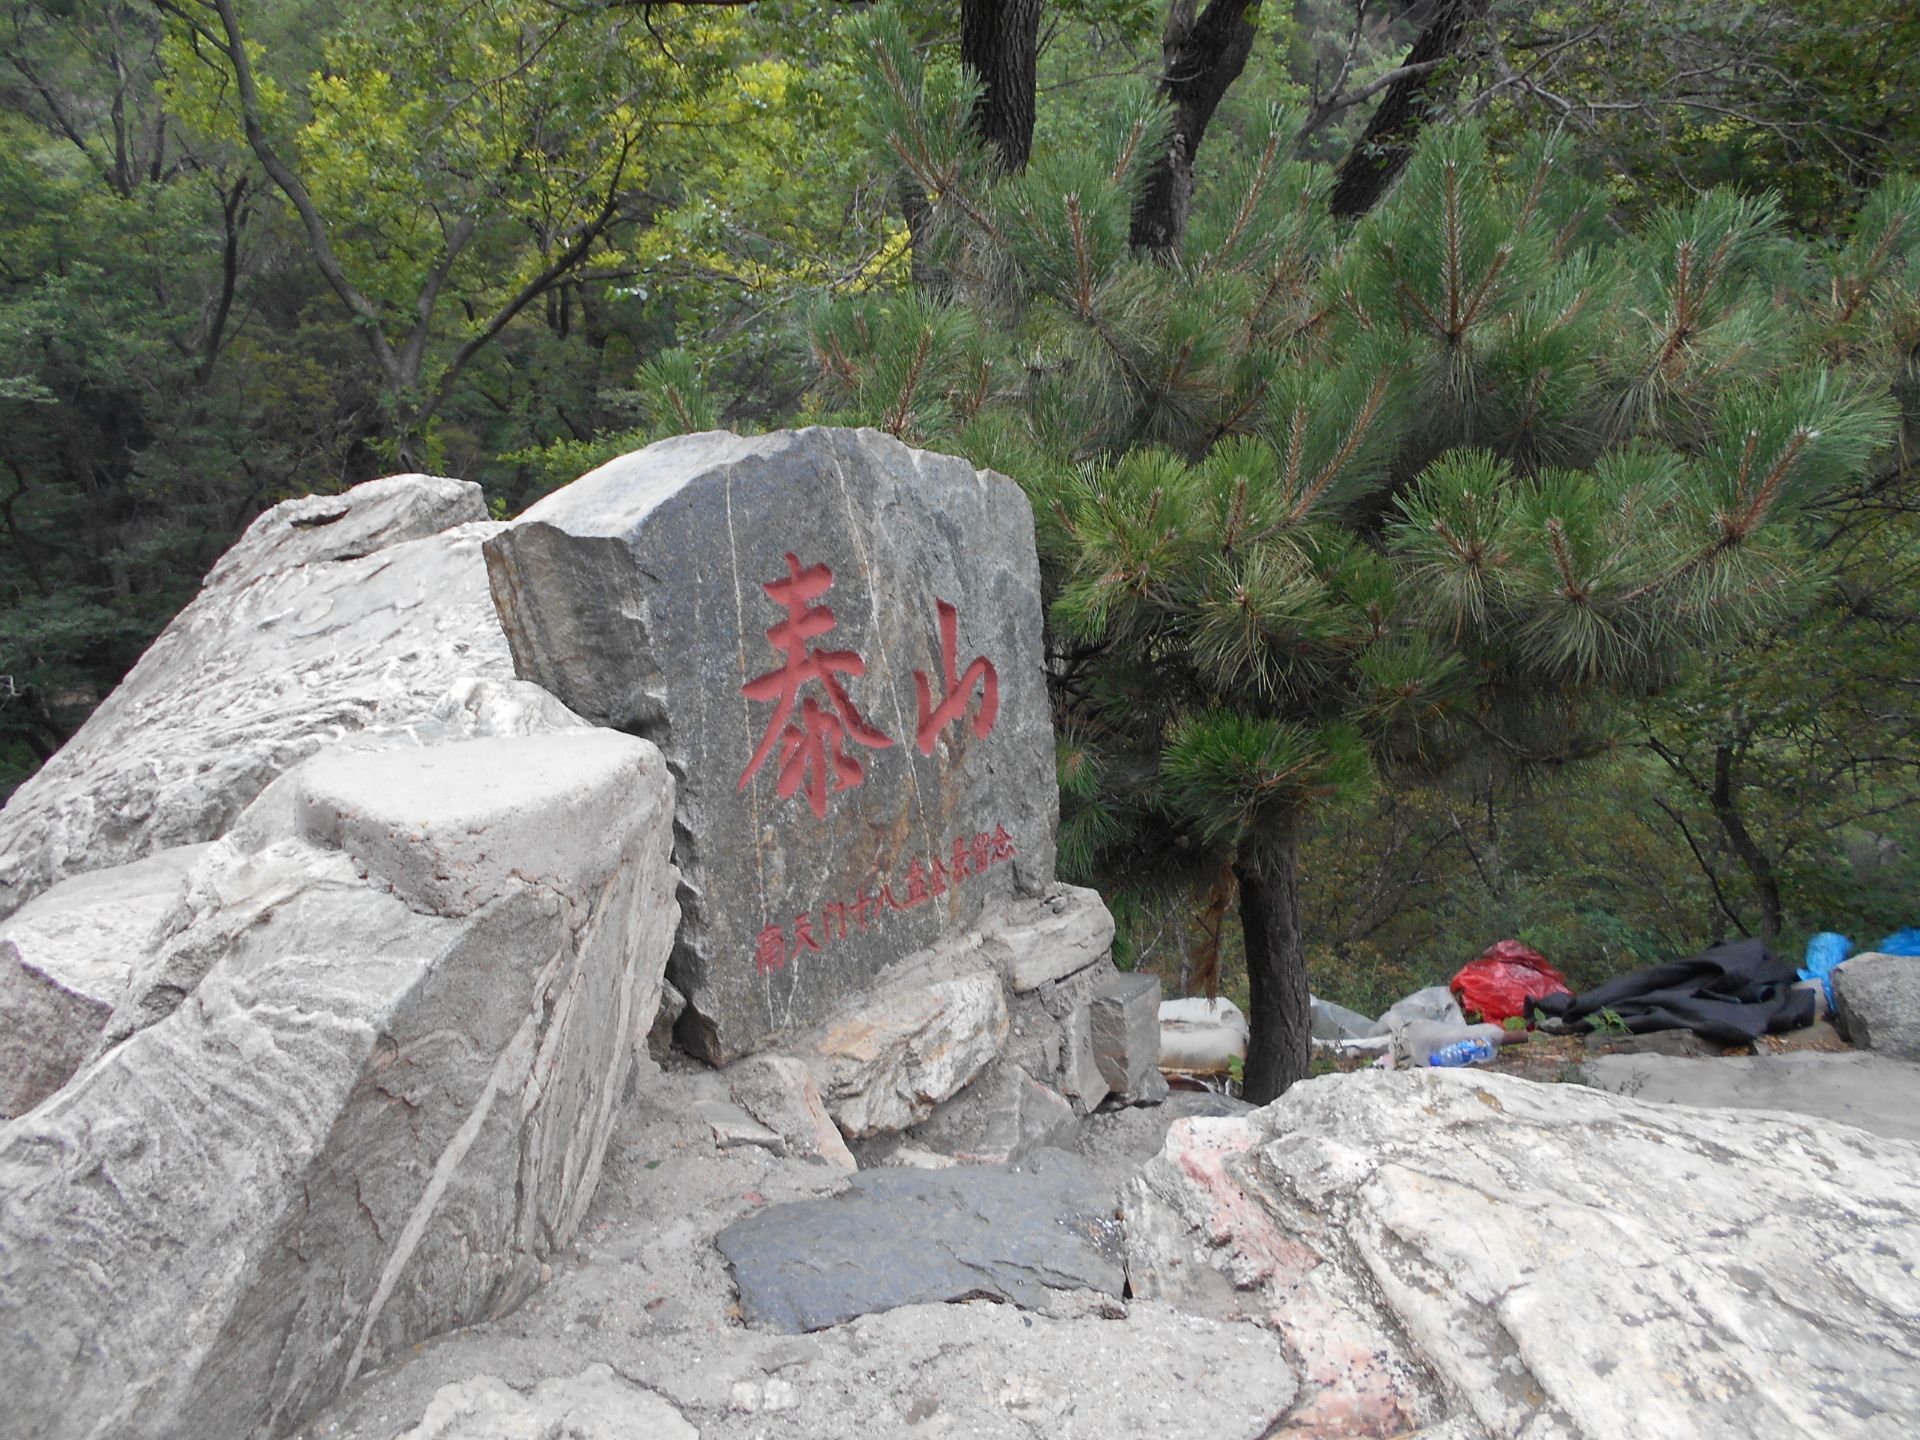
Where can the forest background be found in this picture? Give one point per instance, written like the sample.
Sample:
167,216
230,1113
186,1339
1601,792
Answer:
258,248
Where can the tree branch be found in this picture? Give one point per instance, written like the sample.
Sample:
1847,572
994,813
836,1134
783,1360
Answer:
235,49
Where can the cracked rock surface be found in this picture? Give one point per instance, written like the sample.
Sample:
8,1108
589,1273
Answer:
905,1237
361,1095
1425,1255
1547,1262
332,615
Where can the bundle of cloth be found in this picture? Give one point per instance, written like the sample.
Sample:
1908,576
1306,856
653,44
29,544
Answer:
1729,994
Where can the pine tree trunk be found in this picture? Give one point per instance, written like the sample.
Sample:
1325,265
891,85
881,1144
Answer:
1759,865
1379,155
1000,43
927,278
1204,55
1282,1016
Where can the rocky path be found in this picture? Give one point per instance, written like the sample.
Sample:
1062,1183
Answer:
1447,1255
640,1334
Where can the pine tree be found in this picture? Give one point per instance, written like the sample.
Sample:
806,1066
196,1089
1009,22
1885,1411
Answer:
1319,503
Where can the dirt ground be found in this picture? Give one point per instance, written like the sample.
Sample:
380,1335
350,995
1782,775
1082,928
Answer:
1552,1058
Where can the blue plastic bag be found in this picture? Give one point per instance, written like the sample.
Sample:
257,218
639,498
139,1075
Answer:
1825,951
1901,942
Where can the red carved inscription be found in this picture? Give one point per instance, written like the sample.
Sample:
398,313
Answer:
954,698
811,747
926,879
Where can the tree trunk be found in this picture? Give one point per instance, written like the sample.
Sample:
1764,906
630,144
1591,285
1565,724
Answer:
1204,55
1000,43
1379,155
927,277
1282,1017
1759,866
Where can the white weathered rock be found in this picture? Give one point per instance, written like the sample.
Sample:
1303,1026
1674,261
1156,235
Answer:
733,1128
883,1064
1548,1261
974,1371
65,958
1039,940
780,1092
596,1404
376,1104
331,615
1878,999
450,845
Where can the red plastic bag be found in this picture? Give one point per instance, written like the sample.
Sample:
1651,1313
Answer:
1498,985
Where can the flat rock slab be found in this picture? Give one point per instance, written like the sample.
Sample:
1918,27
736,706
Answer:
1873,1092
909,1237
836,641
980,1370
1549,1260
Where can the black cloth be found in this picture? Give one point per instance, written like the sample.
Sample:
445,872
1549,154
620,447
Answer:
1730,994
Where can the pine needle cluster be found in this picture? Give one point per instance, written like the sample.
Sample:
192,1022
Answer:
1315,500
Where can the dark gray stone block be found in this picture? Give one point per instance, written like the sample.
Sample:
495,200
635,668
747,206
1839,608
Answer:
804,622
911,1237
1126,1031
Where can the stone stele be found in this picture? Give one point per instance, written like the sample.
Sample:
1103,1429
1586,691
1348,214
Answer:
835,639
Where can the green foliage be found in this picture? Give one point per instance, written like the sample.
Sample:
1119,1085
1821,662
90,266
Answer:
564,221
1428,497
1608,1024
1575,449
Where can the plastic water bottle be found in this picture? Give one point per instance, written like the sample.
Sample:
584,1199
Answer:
1463,1052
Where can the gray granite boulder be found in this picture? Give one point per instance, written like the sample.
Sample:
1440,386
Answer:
1442,1247
1126,1035
406,998
836,640
331,615
1878,1001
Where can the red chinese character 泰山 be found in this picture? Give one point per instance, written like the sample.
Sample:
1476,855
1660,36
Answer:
959,690
810,746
